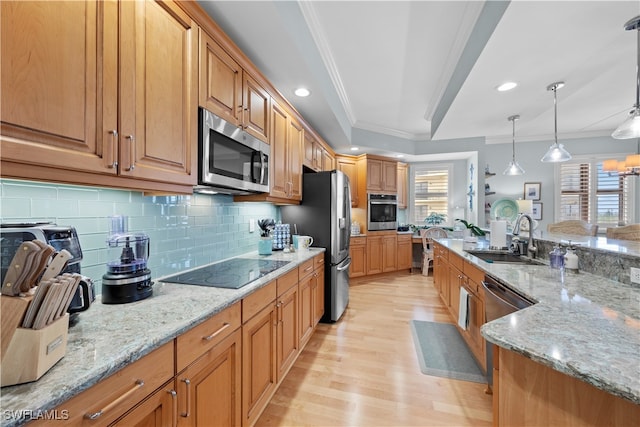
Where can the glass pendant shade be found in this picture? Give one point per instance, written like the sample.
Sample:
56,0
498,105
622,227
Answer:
610,165
622,167
632,161
630,128
556,153
514,167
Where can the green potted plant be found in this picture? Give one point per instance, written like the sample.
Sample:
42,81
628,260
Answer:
435,218
475,230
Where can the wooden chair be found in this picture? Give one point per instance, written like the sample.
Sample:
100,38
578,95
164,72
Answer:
574,226
427,236
627,232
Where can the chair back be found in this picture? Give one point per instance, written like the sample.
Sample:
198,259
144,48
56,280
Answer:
429,234
573,226
627,232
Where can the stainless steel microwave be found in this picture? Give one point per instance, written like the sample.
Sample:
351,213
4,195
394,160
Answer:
230,160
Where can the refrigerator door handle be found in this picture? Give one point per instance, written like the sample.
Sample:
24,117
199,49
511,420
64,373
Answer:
345,267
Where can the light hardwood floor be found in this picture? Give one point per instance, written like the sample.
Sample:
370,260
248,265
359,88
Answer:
363,370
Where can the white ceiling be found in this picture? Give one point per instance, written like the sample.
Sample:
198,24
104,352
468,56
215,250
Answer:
422,71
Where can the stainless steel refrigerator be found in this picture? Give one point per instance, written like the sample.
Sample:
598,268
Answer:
325,215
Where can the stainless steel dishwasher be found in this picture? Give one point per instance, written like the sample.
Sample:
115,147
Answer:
499,300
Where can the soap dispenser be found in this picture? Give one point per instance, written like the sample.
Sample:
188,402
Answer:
571,259
556,258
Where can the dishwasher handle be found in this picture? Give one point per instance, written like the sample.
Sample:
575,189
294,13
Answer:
497,292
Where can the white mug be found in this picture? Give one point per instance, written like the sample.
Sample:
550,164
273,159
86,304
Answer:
304,242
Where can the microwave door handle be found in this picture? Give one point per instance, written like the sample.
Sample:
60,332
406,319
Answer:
253,156
262,166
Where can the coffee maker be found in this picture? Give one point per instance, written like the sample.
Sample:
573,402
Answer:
127,279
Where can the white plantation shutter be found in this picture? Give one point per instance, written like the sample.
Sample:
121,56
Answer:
431,192
589,194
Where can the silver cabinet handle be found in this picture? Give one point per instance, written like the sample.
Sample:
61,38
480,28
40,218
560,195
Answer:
96,415
188,384
213,335
174,398
132,152
114,141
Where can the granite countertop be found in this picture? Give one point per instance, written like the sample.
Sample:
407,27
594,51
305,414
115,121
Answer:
109,337
583,325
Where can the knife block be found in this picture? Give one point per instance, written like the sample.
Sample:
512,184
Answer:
32,352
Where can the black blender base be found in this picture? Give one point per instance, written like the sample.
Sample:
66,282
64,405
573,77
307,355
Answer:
122,294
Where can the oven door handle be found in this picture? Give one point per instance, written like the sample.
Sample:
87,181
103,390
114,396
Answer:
386,202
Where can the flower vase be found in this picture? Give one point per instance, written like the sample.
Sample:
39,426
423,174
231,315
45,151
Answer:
265,246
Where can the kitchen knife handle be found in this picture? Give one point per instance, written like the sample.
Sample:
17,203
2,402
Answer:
213,335
96,415
114,141
132,152
187,382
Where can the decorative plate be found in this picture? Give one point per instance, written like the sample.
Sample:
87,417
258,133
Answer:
504,209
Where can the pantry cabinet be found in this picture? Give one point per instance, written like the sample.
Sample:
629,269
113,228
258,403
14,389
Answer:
229,91
105,94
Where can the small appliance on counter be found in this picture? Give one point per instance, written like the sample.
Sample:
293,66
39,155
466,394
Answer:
127,279
12,235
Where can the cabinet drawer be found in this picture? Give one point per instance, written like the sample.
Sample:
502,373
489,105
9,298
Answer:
255,302
358,240
131,385
404,238
473,272
289,280
305,269
197,341
457,261
318,261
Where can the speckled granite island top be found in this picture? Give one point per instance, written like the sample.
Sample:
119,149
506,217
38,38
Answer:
587,327
109,337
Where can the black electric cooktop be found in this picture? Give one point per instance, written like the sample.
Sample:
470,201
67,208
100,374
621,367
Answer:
233,274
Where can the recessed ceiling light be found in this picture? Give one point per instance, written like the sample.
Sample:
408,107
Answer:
506,86
399,156
354,148
302,92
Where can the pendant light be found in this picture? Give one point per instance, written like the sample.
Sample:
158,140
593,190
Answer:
630,128
514,168
629,167
556,153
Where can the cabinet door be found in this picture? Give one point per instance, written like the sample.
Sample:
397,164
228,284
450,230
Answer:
209,390
220,81
306,289
309,151
350,168
288,335
328,162
389,254
158,92
158,410
375,175
403,181
295,146
256,104
318,295
405,253
279,156
54,90
390,176
473,336
374,255
259,372
358,260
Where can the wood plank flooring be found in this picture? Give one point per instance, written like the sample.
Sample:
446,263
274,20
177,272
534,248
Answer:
363,370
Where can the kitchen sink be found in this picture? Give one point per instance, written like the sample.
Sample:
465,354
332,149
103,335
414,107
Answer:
503,257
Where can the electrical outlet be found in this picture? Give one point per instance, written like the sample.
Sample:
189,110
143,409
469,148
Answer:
252,225
635,275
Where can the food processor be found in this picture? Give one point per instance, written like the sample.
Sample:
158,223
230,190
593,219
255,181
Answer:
127,279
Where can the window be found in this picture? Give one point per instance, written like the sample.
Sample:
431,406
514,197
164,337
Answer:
430,190
589,194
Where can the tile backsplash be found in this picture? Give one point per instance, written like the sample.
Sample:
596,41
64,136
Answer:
185,231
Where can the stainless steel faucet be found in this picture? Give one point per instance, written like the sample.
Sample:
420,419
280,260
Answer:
532,250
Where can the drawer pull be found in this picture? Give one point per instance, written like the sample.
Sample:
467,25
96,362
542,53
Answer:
213,335
308,268
96,415
188,384
174,398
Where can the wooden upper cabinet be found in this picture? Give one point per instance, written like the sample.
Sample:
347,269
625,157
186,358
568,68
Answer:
158,92
231,92
104,89
316,156
278,174
349,166
220,81
382,176
296,142
403,181
328,161
53,90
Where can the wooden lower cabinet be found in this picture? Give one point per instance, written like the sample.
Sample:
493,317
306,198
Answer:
307,310
374,255
288,336
317,291
358,254
209,390
404,252
158,410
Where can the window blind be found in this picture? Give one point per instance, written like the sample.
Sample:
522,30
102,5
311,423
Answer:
431,193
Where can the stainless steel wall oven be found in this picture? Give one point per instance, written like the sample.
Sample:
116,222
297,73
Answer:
382,212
